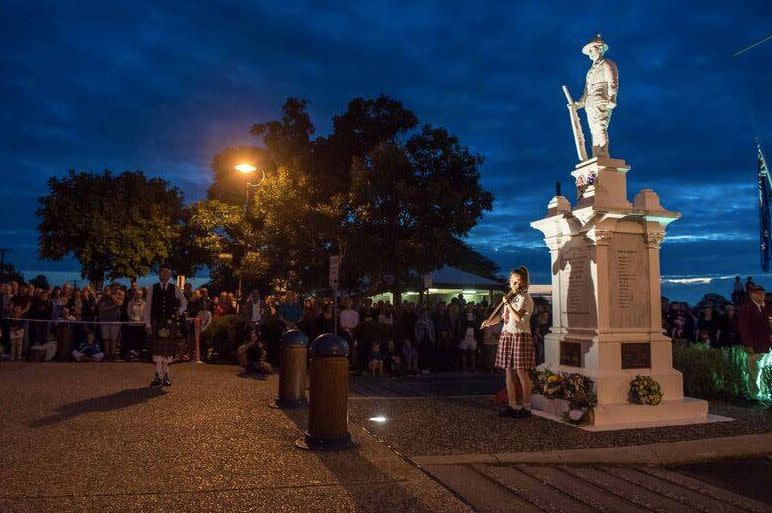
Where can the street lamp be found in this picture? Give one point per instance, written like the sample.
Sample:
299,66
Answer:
246,168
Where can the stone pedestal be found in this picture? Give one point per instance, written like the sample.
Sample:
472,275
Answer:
607,321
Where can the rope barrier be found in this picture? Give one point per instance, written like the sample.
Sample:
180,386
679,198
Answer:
65,321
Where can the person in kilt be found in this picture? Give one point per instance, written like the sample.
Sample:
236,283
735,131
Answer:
516,353
165,303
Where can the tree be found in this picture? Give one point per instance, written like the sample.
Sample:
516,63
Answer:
462,256
393,199
115,225
187,254
40,282
9,273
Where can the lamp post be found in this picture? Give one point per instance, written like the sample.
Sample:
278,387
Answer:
247,169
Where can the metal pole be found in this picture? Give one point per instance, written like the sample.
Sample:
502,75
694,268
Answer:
246,206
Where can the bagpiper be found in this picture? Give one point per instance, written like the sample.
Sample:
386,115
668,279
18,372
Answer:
165,304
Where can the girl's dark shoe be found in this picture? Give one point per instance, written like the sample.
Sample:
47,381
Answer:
156,382
167,382
522,413
508,412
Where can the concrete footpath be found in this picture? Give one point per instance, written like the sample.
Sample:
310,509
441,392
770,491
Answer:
94,437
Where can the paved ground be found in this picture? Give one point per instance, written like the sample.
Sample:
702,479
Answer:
460,423
93,437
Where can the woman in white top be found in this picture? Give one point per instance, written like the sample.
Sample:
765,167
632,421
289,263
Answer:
516,352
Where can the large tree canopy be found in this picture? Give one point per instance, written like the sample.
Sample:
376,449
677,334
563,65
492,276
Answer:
114,225
393,197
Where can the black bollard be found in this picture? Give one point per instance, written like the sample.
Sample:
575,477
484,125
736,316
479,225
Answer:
292,370
328,397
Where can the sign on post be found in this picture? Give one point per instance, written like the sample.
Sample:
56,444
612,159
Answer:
334,267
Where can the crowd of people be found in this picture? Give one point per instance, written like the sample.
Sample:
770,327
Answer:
719,323
84,324
66,322
418,337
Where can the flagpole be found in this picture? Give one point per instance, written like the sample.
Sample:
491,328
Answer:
765,191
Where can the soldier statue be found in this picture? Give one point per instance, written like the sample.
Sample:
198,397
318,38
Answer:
165,303
600,94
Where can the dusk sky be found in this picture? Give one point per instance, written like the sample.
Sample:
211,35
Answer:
163,86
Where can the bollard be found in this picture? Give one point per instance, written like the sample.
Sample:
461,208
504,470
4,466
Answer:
328,398
293,358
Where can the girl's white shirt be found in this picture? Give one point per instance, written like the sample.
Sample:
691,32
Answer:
522,300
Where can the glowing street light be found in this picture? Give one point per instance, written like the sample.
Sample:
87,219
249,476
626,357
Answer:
246,168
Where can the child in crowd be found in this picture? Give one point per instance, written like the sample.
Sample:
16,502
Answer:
44,351
376,359
16,333
393,361
678,332
409,357
704,337
467,347
89,350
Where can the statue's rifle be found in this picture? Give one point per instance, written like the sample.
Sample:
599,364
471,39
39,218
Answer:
576,126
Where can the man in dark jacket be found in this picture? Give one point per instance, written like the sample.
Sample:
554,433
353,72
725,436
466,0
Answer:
755,331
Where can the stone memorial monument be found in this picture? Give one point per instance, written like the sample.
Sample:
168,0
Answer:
604,253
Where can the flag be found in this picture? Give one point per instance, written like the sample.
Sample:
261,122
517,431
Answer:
765,190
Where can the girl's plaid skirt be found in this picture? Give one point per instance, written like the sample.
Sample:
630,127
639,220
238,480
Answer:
516,351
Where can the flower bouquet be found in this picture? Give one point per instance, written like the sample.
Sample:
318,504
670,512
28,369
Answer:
578,393
645,390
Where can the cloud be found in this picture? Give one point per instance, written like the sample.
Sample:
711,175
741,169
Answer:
162,87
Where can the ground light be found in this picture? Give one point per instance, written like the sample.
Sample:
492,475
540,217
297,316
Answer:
765,393
380,419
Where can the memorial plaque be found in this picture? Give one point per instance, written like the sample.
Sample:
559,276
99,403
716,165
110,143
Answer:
629,282
636,356
577,290
571,354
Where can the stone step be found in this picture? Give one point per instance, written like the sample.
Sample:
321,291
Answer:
478,490
534,491
489,487
703,488
581,490
674,491
621,488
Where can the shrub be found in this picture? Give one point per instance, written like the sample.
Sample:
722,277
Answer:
713,373
765,382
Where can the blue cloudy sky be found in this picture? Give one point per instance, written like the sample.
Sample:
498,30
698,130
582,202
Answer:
162,86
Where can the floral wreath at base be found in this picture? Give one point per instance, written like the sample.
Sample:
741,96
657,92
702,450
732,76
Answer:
645,390
576,389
